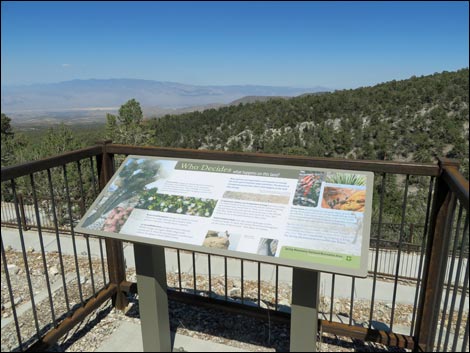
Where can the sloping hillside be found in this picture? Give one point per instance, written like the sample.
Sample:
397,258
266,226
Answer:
416,119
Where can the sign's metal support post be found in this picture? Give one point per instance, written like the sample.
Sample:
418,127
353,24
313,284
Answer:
153,298
304,310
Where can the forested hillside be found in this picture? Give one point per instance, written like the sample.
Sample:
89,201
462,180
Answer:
416,119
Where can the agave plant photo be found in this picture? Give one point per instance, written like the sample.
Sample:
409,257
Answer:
346,179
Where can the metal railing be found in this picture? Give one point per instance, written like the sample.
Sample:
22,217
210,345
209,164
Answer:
60,289
80,175
446,311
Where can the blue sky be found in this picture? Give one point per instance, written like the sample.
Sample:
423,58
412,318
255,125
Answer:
303,44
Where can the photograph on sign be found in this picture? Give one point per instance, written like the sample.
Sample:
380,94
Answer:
318,217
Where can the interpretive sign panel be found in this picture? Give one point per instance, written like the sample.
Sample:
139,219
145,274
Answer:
309,218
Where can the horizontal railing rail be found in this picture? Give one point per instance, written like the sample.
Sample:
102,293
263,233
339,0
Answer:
303,161
20,170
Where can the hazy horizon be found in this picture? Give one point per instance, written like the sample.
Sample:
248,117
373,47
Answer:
339,45
74,95
153,80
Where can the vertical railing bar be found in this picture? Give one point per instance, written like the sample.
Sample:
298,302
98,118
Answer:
461,310
93,179
209,272
25,259
225,274
407,261
411,257
7,209
12,299
87,239
259,284
415,272
447,268
449,278
80,184
92,276
98,163
466,253
113,169
242,279
194,272
333,278
395,285
59,247
10,212
276,293
43,251
353,283
102,262
421,258
456,285
379,259
377,251
385,259
385,255
179,268
4,211
74,245
22,212
376,258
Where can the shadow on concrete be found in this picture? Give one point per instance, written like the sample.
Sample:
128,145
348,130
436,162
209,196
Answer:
202,322
81,329
199,321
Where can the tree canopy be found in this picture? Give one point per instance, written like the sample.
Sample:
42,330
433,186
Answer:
127,127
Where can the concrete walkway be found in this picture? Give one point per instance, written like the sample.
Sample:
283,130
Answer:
362,289
128,338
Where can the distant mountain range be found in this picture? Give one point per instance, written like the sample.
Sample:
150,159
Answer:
108,95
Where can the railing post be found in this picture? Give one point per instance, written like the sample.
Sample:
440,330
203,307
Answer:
437,250
114,248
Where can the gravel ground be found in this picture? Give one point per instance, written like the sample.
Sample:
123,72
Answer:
18,278
60,297
247,333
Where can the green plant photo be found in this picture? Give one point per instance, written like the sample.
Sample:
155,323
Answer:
192,206
346,179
